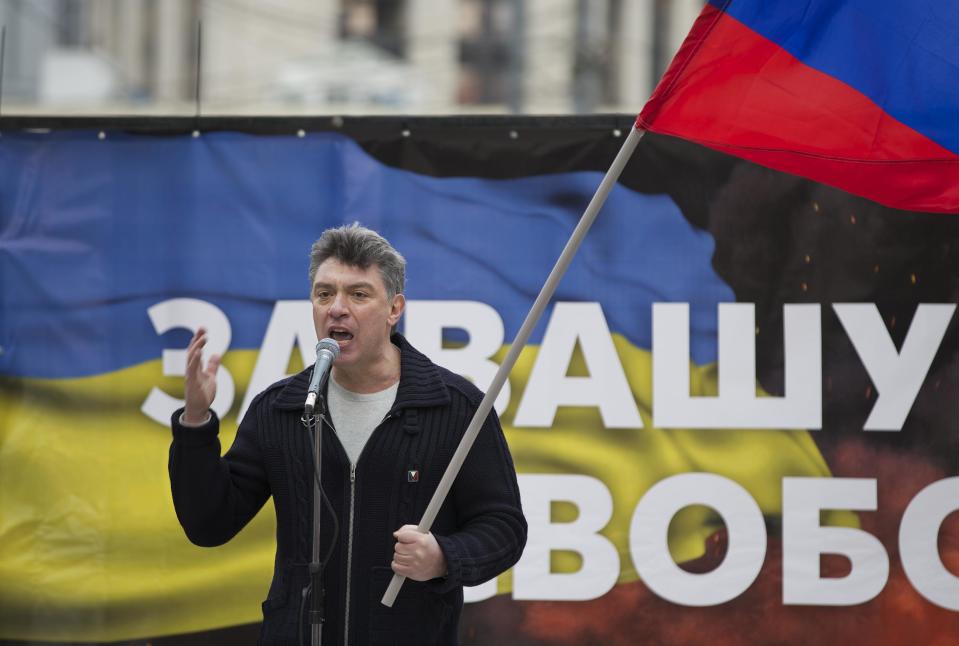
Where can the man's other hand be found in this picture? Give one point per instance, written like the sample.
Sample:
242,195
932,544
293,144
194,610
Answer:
416,555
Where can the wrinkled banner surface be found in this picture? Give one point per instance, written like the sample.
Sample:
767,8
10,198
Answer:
744,373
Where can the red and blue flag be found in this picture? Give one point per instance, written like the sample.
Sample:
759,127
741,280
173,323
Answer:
862,95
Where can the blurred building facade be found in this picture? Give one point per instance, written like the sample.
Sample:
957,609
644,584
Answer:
336,56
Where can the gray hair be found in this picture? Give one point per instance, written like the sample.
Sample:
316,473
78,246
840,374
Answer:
358,246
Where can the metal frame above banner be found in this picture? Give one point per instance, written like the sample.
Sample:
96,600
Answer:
512,126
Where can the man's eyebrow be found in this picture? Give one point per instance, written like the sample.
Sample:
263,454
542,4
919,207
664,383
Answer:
361,284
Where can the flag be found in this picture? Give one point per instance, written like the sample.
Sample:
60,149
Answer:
862,95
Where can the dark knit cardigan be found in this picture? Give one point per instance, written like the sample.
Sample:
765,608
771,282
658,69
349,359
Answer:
480,528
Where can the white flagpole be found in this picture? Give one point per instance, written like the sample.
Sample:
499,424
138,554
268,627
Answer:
539,305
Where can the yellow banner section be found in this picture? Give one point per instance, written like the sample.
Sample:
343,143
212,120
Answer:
90,548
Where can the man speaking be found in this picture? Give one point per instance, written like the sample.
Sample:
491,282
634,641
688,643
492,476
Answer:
394,420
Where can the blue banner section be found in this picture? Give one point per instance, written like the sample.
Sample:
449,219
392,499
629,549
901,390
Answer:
93,232
902,55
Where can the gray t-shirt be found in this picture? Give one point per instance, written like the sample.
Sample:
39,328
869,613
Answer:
356,415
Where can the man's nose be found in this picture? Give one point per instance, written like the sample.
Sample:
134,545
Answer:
338,306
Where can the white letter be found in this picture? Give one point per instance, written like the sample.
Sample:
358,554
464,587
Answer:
290,326
919,543
532,578
425,322
896,375
650,549
481,592
549,387
737,405
804,540
191,314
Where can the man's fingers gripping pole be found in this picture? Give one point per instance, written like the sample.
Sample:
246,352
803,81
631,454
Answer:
539,305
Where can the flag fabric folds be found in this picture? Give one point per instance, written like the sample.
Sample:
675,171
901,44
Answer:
862,95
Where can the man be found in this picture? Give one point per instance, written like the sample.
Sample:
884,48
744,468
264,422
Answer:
396,419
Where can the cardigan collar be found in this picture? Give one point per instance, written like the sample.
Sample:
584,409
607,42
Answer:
420,386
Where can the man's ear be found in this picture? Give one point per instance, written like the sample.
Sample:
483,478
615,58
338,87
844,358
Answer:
396,309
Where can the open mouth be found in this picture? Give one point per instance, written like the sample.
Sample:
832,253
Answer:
340,335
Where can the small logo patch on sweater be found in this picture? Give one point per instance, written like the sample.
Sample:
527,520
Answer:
413,476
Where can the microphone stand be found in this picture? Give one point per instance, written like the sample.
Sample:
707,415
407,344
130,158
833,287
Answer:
315,416
317,613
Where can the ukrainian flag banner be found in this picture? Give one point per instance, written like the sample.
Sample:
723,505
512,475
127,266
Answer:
695,422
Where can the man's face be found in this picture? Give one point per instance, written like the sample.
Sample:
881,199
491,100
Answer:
351,307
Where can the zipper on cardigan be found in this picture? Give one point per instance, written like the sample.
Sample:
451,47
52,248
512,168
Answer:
349,536
349,555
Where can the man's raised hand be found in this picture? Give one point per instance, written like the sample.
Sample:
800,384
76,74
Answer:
200,381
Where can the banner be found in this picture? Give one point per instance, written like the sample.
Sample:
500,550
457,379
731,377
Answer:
734,420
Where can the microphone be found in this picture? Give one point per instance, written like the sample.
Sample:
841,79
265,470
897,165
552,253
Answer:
327,351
